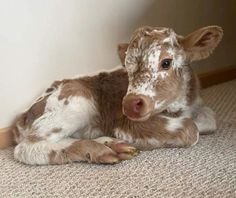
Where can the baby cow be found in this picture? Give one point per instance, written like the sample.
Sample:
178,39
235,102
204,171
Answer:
151,102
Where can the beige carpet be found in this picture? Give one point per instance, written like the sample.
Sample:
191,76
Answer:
205,170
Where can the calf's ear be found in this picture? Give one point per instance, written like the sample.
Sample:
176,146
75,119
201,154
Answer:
201,43
122,48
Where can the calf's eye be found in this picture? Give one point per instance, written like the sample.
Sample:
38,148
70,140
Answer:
166,64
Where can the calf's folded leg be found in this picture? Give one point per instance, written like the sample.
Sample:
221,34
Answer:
102,150
159,131
205,120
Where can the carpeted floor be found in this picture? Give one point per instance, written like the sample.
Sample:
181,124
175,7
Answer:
205,170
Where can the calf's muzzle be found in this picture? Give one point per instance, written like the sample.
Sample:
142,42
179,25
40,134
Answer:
137,107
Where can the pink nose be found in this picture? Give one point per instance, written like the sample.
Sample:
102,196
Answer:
133,107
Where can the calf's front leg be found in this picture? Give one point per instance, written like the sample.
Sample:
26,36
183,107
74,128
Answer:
158,132
103,150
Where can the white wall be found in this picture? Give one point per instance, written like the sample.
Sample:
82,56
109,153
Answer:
43,40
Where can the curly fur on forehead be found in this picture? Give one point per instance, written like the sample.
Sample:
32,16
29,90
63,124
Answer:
145,36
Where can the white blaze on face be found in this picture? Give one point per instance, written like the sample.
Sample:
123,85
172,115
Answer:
143,77
159,104
151,61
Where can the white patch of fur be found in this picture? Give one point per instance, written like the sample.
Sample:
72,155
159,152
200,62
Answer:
123,136
152,60
177,105
103,140
38,153
147,33
189,113
159,104
178,60
174,124
171,51
205,120
150,143
89,133
160,30
70,118
143,89
153,56
154,142
171,39
167,40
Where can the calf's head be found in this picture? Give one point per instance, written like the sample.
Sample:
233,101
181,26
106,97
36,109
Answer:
157,62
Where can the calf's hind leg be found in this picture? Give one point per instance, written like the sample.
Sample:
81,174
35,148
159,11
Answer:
46,139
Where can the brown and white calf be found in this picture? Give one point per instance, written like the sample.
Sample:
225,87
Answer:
150,103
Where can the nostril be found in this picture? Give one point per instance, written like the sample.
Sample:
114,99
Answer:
137,105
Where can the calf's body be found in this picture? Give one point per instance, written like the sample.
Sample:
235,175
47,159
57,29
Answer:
88,119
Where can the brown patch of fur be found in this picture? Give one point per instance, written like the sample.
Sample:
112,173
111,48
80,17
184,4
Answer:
81,150
193,86
33,138
26,119
56,84
75,152
74,87
109,90
190,132
35,111
58,157
170,88
49,90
